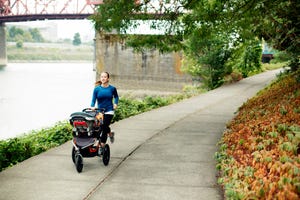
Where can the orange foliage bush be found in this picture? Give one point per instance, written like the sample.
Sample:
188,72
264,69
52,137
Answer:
259,156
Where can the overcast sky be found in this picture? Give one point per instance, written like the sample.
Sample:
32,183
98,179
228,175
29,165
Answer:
67,28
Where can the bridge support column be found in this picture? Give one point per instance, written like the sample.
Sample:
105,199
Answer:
3,57
133,70
99,53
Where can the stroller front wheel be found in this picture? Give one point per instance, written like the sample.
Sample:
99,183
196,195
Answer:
106,155
78,162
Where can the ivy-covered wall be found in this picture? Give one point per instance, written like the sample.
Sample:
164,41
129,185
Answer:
144,70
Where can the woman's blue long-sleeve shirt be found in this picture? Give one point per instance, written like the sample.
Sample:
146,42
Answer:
105,97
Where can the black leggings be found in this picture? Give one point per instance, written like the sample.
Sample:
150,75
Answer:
105,127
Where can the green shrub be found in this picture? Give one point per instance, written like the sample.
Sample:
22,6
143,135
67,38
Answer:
280,57
19,44
18,149
128,107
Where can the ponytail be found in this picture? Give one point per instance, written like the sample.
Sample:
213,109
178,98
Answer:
97,83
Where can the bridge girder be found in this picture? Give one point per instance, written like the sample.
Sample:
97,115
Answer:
23,10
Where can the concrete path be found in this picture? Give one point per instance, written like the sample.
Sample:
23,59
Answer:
163,154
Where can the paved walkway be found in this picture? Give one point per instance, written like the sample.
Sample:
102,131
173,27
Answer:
166,153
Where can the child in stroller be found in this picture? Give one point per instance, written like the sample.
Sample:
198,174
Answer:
86,132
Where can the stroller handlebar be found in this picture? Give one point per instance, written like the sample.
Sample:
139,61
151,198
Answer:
102,110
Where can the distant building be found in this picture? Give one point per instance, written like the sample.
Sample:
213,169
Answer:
49,31
267,54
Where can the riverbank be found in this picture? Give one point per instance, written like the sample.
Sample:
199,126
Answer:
50,52
51,61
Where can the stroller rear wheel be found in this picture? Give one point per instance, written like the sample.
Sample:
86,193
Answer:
78,162
106,155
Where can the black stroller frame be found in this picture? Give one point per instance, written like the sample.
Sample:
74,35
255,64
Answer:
86,131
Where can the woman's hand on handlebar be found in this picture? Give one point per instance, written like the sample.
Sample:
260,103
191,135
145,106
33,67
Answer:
115,106
93,108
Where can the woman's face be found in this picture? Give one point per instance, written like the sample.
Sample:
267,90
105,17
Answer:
104,78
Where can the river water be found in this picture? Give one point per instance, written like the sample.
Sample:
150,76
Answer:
38,95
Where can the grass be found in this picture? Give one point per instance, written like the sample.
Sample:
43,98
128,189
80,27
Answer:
272,66
52,52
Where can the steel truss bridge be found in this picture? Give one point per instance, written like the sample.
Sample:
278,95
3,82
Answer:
31,10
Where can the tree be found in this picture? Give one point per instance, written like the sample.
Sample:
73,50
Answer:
31,35
14,31
122,16
249,57
36,35
76,39
276,21
210,54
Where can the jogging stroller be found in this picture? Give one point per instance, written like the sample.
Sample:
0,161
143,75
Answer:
86,126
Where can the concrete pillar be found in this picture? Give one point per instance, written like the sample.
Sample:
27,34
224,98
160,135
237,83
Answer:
129,69
3,57
99,53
